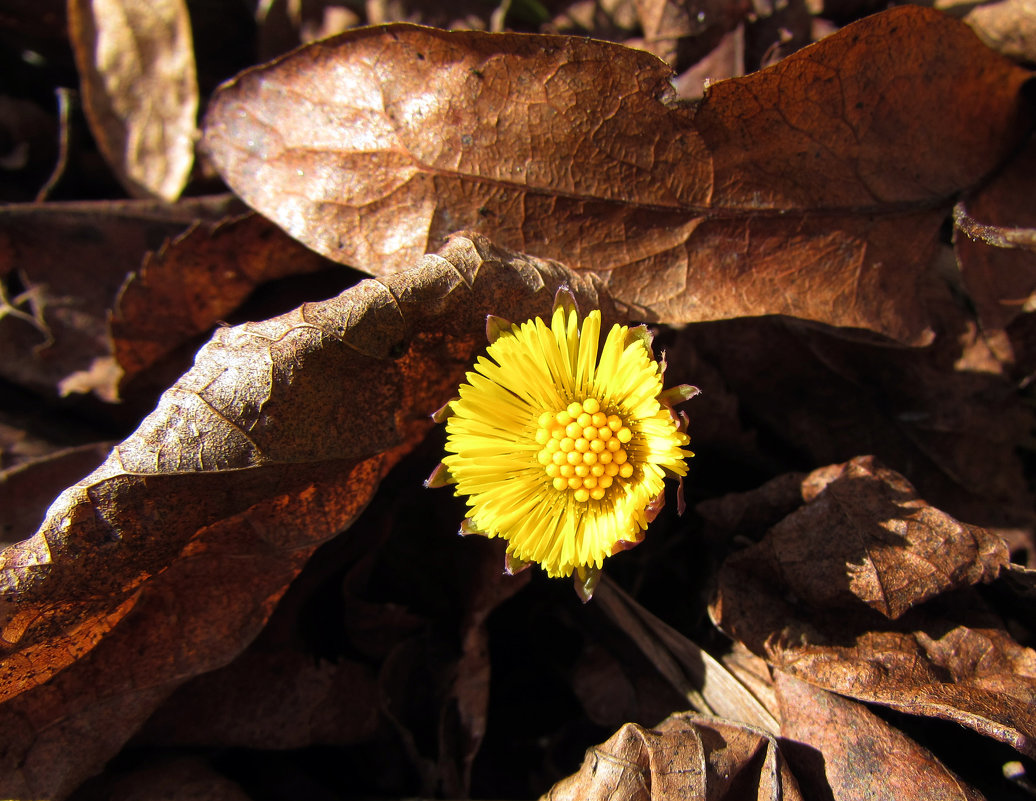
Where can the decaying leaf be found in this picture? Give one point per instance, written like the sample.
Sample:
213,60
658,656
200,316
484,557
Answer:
140,91
865,590
166,561
893,551
812,188
686,758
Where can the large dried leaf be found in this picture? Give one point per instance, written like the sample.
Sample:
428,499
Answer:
813,188
686,758
166,561
140,91
816,594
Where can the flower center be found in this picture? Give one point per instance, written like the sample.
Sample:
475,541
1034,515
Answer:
583,449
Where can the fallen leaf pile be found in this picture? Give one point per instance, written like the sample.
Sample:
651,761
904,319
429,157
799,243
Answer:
247,250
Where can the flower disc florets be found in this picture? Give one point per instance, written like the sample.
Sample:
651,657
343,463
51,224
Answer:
561,444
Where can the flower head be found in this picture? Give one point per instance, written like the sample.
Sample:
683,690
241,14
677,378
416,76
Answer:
561,444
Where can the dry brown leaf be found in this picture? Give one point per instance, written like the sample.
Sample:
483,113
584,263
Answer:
816,595
140,91
196,280
686,758
167,560
863,535
839,749
812,188
893,551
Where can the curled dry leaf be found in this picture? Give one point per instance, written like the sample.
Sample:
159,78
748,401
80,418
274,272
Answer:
893,551
812,188
865,590
166,561
195,280
840,749
140,90
686,758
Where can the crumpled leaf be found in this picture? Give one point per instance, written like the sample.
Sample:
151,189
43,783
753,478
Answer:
140,91
841,750
167,560
812,188
865,591
194,281
686,758
892,550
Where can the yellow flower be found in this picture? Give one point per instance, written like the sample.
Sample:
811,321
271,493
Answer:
561,444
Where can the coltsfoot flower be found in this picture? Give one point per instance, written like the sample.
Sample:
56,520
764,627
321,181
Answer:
561,444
